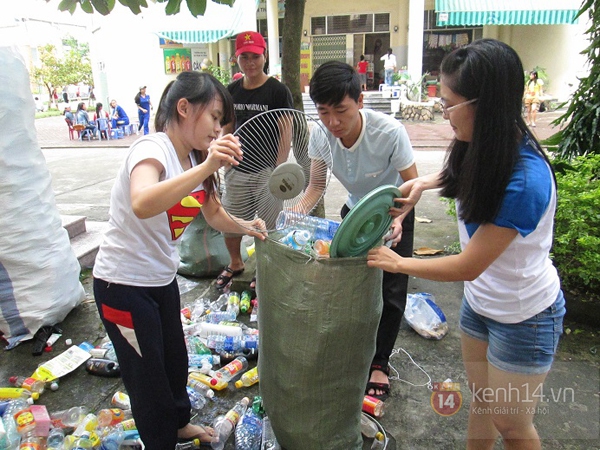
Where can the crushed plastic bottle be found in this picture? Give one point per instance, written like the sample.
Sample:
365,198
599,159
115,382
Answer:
218,304
207,380
69,417
30,441
219,316
269,441
83,442
224,425
296,239
113,440
22,415
201,388
233,303
248,433
11,436
110,417
31,384
197,400
368,427
191,445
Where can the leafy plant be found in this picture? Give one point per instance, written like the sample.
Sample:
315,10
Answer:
576,250
104,7
220,73
581,136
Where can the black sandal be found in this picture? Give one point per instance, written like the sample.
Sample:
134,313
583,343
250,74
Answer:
223,280
383,387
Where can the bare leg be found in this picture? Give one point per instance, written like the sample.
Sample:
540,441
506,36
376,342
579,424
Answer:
233,245
481,432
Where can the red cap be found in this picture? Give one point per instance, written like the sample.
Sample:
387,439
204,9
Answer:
237,76
250,41
214,381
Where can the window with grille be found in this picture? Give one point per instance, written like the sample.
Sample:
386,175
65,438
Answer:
350,23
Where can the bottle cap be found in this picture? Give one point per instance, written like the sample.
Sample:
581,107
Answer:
239,384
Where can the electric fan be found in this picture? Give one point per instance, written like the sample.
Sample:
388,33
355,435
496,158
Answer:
276,167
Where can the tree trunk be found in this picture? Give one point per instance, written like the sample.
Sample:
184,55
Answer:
290,49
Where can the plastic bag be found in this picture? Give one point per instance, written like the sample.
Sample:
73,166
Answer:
39,273
424,316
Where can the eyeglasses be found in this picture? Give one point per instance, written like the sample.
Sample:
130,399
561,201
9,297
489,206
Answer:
448,110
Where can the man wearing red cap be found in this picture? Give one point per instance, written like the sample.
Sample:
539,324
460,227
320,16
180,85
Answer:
254,93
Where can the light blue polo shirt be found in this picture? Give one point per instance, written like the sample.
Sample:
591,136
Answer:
381,151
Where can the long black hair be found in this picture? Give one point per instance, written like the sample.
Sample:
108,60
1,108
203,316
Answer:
477,173
199,89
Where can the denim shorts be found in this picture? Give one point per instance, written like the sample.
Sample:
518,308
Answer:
526,347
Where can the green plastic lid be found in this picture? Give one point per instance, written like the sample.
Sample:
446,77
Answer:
366,224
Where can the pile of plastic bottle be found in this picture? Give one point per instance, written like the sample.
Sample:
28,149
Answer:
310,235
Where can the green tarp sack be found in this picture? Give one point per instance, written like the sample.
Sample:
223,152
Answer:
318,322
202,250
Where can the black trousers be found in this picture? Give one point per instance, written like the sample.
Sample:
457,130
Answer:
144,326
394,290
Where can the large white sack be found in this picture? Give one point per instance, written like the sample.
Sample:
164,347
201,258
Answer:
39,273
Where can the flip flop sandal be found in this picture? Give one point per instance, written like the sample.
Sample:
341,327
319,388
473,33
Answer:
223,280
383,387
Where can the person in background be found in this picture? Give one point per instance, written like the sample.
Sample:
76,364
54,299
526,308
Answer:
142,100
252,94
84,119
505,191
100,113
361,68
389,66
65,94
533,92
118,115
369,149
166,177
55,98
69,115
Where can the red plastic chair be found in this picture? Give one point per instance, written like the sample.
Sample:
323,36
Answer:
71,130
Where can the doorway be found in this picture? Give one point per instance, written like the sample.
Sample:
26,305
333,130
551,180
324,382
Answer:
376,45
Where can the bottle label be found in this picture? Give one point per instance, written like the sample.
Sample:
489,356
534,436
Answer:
24,420
232,416
129,425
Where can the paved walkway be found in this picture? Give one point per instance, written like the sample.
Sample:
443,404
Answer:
436,134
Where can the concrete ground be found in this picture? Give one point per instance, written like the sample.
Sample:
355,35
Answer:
568,418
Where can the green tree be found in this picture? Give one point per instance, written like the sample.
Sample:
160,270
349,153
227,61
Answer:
581,135
73,68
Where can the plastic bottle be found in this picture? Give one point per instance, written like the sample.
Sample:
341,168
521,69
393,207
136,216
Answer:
204,329
109,417
197,400
113,440
296,239
201,360
367,427
55,439
233,303
248,433
83,442
31,384
87,425
12,437
205,379
245,300
373,406
224,425
19,393
378,442
254,313
103,367
201,388
248,379
229,371
30,442
192,445
218,316
321,248
232,343
269,441
121,400
21,413
218,304
320,228
195,346
198,309
69,417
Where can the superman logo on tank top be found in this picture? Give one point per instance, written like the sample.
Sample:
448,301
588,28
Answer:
182,214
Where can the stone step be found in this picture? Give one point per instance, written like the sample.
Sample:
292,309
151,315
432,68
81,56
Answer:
372,100
75,225
86,245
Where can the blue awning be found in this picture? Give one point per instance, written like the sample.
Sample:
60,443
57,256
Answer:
196,36
506,12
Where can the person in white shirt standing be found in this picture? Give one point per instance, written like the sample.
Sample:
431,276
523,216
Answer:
389,66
